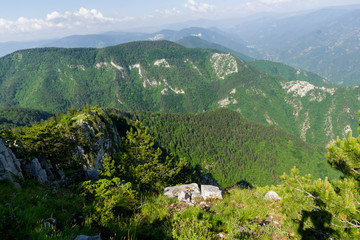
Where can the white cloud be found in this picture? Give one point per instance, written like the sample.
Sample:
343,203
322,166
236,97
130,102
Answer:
82,18
168,12
274,1
199,7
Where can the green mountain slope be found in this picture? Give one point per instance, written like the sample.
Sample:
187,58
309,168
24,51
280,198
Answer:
232,149
162,76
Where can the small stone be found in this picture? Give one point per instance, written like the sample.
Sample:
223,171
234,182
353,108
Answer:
272,196
50,223
221,235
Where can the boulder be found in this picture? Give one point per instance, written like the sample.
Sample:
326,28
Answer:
191,189
272,196
33,169
84,237
210,191
9,165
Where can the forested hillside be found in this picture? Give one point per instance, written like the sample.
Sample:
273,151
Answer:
232,149
162,76
15,117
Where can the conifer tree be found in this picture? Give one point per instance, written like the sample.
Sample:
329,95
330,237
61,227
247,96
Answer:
143,164
333,206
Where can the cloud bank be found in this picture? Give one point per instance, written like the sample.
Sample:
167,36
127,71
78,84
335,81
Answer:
199,7
81,19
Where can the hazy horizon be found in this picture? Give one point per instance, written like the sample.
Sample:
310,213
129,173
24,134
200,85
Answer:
22,20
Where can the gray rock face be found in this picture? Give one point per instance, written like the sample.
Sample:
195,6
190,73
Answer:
272,196
103,137
8,163
84,237
48,169
92,174
210,191
33,169
192,189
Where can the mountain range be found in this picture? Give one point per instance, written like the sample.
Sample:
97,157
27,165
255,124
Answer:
162,76
324,41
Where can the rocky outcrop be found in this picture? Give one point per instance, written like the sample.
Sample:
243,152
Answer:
33,169
188,192
209,191
9,165
101,134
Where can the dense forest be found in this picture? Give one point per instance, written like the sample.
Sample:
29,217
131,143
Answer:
16,117
232,149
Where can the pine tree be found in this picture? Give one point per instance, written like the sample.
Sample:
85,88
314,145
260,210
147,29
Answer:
144,165
333,206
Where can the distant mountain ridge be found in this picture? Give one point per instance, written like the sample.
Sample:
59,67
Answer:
198,42
325,42
114,38
162,76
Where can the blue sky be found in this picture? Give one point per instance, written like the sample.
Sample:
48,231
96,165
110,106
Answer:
43,19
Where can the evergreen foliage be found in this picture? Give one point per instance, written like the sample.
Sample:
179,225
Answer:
333,206
146,166
232,149
15,117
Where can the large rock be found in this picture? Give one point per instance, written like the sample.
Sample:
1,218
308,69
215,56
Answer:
9,165
191,189
272,196
32,168
210,191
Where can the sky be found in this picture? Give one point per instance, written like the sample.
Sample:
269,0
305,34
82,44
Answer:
24,20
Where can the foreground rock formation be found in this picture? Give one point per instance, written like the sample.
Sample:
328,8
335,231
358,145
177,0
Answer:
188,192
9,165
